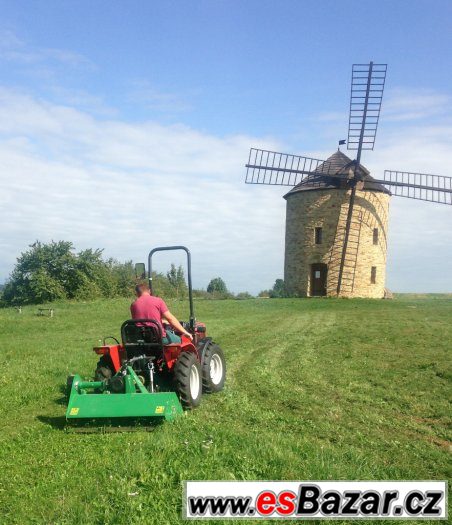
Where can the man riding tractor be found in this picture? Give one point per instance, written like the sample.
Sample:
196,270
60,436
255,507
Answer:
154,370
148,306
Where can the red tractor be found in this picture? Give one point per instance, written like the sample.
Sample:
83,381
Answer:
142,364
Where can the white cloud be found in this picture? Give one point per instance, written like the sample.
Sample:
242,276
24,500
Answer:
407,104
148,96
13,49
128,186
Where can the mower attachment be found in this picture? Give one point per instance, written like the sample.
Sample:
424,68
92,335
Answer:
95,399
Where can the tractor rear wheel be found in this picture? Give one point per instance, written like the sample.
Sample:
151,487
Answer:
187,380
213,369
104,369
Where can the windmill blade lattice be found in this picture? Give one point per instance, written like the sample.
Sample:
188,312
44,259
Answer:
366,94
282,169
419,186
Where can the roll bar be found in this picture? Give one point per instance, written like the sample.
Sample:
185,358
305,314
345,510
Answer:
190,291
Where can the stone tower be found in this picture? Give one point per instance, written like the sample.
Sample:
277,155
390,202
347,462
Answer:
316,215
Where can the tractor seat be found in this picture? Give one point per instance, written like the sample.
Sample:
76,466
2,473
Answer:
142,337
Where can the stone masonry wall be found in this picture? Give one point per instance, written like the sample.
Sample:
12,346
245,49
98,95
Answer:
328,209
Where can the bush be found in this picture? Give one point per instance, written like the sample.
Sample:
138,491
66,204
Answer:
243,295
202,294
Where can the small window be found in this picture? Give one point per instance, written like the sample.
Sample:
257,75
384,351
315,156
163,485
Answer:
318,235
317,274
373,275
375,235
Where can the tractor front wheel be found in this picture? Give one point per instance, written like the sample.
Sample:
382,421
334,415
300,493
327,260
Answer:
187,379
213,369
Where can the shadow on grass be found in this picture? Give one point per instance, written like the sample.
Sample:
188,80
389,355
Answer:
61,401
102,425
57,423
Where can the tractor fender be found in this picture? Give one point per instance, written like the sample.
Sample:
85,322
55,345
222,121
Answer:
115,353
202,346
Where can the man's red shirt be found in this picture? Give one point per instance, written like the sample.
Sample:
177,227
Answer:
149,307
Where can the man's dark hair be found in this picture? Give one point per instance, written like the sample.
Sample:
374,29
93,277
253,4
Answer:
141,288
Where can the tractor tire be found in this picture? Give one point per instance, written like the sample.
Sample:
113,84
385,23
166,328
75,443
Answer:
213,369
187,380
104,369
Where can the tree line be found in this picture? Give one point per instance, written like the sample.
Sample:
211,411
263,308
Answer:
47,272
52,271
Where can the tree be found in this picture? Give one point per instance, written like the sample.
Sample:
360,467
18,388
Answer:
47,272
176,279
171,275
43,273
94,276
217,286
123,275
182,287
279,289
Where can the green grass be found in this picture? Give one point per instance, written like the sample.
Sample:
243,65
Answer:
316,389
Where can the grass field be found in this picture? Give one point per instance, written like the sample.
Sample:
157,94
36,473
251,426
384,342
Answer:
316,389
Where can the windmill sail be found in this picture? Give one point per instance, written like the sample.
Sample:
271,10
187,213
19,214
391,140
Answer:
419,186
366,95
280,169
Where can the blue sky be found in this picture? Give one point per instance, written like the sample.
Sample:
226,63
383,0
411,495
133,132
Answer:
126,124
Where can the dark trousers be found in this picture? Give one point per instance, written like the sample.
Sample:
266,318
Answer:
171,338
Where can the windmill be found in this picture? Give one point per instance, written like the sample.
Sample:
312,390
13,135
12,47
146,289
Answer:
326,192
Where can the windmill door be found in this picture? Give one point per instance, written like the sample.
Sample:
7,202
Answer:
318,279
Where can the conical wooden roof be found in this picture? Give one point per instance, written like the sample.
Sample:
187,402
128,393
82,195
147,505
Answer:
336,167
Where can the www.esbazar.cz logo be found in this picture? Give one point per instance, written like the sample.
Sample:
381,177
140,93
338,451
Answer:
316,500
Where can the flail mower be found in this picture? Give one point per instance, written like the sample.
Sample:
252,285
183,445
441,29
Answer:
141,377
